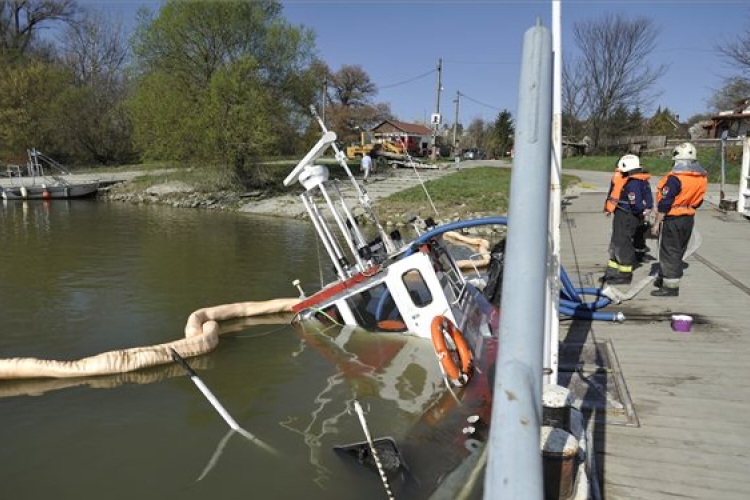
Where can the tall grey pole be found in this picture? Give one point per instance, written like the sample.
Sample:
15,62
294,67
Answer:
435,126
455,124
514,468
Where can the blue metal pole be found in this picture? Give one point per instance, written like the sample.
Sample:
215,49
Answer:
514,468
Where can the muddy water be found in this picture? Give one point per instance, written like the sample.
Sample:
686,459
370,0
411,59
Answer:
82,277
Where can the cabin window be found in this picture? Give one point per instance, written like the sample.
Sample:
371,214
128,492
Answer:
375,309
417,288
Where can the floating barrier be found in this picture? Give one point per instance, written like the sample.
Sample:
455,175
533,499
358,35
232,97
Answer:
480,246
201,336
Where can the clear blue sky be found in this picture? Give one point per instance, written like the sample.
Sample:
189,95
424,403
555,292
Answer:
398,43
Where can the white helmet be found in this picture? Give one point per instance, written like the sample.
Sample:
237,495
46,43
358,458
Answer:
628,163
684,151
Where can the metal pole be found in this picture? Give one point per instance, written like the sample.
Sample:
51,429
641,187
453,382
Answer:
514,469
723,166
437,108
455,124
552,309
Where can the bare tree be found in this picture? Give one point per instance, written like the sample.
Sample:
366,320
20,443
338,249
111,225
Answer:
736,87
737,52
734,93
614,51
573,97
21,20
95,51
95,48
351,94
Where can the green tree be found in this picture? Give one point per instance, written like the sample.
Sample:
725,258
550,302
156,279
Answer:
500,140
663,123
28,94
247,50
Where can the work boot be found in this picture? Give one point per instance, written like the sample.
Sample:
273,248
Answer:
658,282
666,292
621,279
609,275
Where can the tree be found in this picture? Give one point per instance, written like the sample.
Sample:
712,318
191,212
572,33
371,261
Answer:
95,50
737,51
476,133
351,94
734,93
28,94
193,49
663,123
500,139
614,70
736,88
20,21
573,98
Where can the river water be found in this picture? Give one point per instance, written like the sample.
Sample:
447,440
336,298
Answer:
82,277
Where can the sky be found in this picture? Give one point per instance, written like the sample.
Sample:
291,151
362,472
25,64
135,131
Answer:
400,43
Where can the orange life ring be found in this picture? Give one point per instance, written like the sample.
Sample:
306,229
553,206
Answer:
458,376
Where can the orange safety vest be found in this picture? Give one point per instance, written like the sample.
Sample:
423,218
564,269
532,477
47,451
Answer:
690,197
618,182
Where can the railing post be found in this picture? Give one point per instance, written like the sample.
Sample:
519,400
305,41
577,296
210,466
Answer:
514,468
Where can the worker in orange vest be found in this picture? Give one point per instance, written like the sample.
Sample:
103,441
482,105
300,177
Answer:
629,198
678,195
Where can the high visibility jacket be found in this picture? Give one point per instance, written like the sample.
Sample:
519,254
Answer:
618,181
615,191
690,196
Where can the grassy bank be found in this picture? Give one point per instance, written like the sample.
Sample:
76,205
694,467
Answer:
709,158
475,192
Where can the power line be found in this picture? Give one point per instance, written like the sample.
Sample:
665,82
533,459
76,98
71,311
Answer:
381,87
478,102
484,63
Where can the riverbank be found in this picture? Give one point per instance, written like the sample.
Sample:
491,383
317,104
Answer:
420,192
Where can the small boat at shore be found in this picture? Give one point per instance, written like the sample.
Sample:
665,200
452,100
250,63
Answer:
58,190
39,185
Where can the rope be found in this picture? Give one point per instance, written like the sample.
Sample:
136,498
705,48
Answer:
375,456
411,162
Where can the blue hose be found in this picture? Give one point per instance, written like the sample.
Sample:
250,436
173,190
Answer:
571,302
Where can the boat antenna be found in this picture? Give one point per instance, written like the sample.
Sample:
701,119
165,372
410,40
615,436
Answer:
373,449
364,198
215,403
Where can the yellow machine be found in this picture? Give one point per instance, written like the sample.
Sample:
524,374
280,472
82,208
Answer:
385,149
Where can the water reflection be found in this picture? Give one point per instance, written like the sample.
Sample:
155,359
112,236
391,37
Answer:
80,278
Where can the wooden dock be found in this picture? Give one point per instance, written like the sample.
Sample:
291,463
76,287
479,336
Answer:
690,391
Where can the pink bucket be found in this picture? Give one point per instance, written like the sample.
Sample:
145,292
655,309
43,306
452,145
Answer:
681,323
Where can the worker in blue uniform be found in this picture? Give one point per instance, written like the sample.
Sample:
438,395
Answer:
678,195
629,199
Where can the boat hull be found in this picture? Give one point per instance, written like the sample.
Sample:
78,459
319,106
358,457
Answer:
58,192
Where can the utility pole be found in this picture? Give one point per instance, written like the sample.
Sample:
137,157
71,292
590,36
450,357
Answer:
455,125
436,117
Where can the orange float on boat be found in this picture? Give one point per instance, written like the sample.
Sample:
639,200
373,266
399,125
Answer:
458,375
